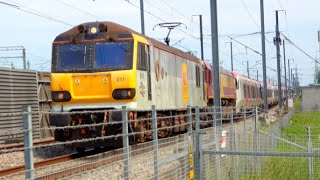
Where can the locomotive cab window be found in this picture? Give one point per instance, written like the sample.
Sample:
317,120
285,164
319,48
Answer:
113,55
92,57
143,57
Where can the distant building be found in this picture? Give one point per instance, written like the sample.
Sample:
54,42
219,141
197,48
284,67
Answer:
311,98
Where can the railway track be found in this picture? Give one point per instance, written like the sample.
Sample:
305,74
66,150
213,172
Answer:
21,145
52,161
47,162
114,155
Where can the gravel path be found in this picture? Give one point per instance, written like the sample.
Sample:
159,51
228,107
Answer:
13,159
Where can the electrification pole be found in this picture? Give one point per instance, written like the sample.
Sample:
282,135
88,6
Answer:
248,69
264,66
201,36
285,74
231,56
277,41
297,80
15,48
24,58
290,77
316,64
289,86
142,16
215,53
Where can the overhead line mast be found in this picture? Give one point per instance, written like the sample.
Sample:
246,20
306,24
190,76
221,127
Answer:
277,41
264,66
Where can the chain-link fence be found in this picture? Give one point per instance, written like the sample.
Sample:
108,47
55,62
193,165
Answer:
260,152
114,152
211,144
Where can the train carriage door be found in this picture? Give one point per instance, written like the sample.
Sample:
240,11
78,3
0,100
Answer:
203,83
144,65
147,49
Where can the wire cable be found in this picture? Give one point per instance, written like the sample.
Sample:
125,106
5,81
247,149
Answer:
249,13
78,9
300,49
33,12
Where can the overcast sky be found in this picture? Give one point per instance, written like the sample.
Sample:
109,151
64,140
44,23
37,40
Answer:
300,22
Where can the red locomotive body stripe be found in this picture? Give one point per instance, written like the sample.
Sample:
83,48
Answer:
229,92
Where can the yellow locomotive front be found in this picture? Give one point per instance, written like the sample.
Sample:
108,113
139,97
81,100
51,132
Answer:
93,68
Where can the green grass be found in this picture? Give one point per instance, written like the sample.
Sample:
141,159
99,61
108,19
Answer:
293,167
297,104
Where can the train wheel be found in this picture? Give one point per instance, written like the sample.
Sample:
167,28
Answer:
80,149
141,136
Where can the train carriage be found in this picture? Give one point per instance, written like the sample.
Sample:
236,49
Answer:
269,94
103,66
248,92
227,86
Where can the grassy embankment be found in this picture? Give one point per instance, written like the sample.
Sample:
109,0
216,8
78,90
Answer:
293,167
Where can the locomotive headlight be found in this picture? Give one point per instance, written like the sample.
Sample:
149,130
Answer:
123,93
60,96
93,30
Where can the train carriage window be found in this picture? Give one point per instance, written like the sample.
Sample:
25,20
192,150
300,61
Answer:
197,76
269,93
244,90
237,83
251,89
143,52
253,92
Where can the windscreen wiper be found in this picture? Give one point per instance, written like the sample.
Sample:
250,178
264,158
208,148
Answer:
84,54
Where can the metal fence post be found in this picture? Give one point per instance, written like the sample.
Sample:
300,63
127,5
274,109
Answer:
28,144
233,147
189,118
125,140
246,139
258,136
190,151
198,146
155,143
255,138
217,167
310,159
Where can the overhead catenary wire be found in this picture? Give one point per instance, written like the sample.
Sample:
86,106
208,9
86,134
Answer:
253,50
183,15
78,9
249,13
20,7
161,19
300,49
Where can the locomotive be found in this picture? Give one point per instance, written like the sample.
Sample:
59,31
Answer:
102,66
